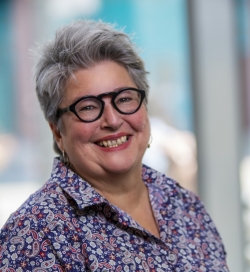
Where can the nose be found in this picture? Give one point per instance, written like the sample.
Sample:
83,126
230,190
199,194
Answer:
111,118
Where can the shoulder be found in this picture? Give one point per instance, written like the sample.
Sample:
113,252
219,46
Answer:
26,238
36,212
176,198
168,186
177,204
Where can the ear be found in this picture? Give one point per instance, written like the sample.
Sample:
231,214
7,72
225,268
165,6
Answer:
57,135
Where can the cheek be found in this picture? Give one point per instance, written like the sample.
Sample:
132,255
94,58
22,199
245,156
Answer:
146,129
142,127
77,133
142,124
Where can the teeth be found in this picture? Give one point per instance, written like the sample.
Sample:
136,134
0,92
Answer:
113,143
119,141
105,143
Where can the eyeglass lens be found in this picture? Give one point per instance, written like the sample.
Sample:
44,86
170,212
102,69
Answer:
126,102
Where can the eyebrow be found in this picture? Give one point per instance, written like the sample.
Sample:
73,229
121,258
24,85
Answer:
115,90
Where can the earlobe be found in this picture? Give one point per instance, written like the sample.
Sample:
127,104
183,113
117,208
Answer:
57,135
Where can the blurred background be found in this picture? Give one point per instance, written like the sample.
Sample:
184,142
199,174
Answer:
198,56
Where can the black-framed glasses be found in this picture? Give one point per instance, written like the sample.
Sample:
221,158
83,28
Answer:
90,108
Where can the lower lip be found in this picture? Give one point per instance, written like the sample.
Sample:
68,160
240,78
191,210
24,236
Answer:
117,148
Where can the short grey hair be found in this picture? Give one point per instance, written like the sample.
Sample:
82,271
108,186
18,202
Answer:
81,45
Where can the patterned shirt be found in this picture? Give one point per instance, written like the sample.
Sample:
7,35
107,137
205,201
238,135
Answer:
68,226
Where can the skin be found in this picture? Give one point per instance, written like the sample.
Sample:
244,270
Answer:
113,172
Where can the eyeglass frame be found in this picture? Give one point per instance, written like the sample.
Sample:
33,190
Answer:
99,97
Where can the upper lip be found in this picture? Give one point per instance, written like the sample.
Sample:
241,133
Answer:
113,137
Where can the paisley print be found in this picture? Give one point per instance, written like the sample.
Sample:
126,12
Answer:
68,226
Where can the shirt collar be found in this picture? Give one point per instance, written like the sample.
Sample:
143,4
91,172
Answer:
85,195
76,187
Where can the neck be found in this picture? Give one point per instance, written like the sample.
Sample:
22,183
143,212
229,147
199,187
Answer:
123,190
126,197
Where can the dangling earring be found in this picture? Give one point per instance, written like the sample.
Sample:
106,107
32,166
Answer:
150,141
65,158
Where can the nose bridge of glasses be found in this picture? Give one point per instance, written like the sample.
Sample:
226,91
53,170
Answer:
112,94
111,97
110,109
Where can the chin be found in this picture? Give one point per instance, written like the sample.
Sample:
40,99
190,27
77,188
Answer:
123,167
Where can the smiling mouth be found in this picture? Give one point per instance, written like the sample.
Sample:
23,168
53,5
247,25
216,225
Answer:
113,143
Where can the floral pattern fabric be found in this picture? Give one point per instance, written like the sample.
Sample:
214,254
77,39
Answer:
68,226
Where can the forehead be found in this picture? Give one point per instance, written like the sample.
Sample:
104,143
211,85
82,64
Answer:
104,77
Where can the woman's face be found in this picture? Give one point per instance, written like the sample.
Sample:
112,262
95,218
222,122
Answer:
82,141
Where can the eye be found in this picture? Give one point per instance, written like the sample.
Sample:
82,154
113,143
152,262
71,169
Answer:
124,99
87,105
87,108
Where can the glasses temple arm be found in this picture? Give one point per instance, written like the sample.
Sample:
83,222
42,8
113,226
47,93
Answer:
60,112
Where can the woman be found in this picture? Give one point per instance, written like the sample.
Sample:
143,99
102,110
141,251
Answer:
102,210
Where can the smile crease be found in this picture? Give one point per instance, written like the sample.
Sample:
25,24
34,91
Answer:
113,143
